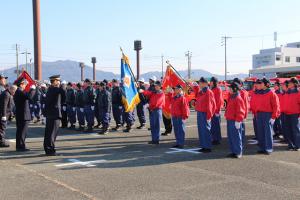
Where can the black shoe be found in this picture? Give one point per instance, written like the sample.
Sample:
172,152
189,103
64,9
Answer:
290,149
231,155
166,133
237,156
103,132
53,154
142,126
116,128
296,149
72,127
22,149
4,145
153,142
127,130
203,150
215,142
178,146
263,152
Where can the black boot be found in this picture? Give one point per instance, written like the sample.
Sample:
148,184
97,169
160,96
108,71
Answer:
117,127
127,130
142,126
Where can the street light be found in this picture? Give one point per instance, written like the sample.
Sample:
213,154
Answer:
26,53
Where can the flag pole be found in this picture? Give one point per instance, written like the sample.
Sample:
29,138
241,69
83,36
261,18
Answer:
169,64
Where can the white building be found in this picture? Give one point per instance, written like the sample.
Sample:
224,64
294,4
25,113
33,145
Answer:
280,61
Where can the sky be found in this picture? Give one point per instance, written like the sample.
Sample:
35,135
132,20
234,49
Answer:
79,29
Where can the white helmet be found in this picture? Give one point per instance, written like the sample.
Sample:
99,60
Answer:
142,80
64,82
33,87
43,85
153,78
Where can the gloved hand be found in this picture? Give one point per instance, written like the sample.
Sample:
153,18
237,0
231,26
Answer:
74,109
35,107
92,107
141,91
237,125
81,109
217,114
64,108
3,119
44,95
272,121
208,121
30,105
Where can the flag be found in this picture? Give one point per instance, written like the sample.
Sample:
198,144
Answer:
171,79
26,76
131,96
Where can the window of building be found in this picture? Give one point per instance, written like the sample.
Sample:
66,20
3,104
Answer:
278,57
298,59
287,59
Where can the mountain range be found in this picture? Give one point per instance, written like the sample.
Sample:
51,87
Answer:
70,71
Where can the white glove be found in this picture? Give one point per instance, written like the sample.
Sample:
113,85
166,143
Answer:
35,107
64,108
30,105
92,107
3,119
141,91
237,125
81,109
44,95
43,105
208,121
217,114
272,121
74,109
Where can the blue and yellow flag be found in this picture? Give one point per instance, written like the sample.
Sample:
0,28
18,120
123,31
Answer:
131,98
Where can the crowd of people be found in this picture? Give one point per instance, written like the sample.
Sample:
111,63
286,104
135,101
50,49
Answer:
89,105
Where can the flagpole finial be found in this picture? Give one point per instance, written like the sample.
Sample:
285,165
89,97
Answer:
121,50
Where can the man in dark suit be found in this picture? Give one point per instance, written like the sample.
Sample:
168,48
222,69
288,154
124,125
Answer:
55,95
5,111
23,115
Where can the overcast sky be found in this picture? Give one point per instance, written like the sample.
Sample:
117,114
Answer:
79,29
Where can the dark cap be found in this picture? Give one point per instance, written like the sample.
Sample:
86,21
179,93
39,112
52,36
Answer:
266,82
178,87
114,80
157,83
203,80
238,81
105,81
214,79
87,80
2,76
234,86
102,84
54,77
69,84
294,80
79,85
277,83
258,81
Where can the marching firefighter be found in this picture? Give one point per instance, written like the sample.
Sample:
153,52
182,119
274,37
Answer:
216,119
156,103
71,108
140,108
104,106
180,112
235,112
79,101
292,112
205,107
267,109
117,105
89,104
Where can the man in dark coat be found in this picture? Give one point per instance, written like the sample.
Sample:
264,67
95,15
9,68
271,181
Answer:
23,115
5,111
55,96
104,106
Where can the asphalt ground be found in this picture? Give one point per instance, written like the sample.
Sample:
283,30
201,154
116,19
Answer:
123,166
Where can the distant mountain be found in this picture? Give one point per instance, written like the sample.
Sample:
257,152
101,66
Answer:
70,71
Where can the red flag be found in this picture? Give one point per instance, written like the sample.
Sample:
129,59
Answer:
171,79
26,76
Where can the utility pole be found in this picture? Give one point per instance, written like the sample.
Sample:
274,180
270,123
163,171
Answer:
162,67
17,60
81,65
224,39
189,56
37,40
26,53
94,60
30,67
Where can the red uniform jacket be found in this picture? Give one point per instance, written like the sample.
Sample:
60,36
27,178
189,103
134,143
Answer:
156,99
291,102
266,101
245,96
205,101
236,108
218,98
180,107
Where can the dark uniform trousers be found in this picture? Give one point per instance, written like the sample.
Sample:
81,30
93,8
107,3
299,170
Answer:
51,131
168,124
118,111
64,117
140,108
22,127
2,131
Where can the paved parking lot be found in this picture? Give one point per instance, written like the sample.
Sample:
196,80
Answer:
124,166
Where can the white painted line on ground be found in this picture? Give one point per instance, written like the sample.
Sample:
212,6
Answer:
78,162
175,150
